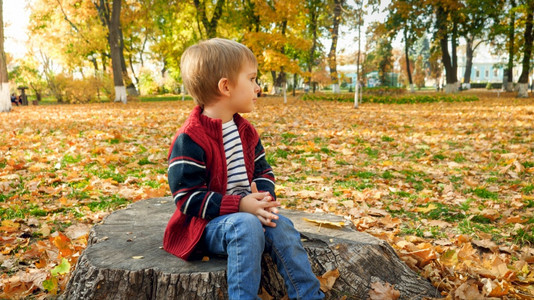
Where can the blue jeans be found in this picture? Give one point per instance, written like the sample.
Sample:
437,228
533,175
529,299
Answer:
241,237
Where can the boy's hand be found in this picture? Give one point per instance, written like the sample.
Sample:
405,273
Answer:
254,189
260,205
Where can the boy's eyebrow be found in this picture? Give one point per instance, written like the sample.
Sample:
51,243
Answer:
253,73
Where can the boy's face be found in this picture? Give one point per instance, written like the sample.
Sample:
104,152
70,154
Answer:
244,91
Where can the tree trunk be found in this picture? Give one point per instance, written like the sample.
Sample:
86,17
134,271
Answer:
332,61
407,55
115,48
5,97
468,60
130,87
124,260
527,53
294,84
450,71
210,25
313,28
509,86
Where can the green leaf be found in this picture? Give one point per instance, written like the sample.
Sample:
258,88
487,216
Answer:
62,268
50,285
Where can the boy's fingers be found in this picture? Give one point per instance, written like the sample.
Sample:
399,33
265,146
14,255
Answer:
267,215
253,187
258,196
266,222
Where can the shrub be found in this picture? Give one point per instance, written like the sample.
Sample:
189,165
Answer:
73,90
390,99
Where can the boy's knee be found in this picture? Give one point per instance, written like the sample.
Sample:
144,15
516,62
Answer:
284,227
284,222
248,223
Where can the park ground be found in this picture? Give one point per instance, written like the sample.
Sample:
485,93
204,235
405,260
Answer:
449,185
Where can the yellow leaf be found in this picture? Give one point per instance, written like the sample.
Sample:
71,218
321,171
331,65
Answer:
138,257
328,224
387,163
449,258
430,207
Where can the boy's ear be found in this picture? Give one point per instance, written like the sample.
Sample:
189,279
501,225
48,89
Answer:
224,86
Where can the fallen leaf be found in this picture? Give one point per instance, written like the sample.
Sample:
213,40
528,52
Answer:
328,279
380,291
323,223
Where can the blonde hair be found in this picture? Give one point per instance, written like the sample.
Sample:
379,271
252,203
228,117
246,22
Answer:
204,64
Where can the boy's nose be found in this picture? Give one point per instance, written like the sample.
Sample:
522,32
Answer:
257,88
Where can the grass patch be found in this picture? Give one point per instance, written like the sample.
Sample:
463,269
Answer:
371,152
69,159
107,204
527,190
164,98
387,175
459,158
288,138
485,194
144,161
386,138
447,213
524,236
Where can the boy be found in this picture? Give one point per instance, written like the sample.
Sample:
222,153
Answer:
216,167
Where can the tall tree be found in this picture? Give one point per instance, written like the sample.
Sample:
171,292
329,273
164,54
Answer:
315,8
447,27
279,38
477,19
111,19
5,101
528,39
115,49
405,16
511,43
332,55
209,24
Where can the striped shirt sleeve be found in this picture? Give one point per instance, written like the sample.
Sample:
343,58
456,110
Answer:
187,176
263,173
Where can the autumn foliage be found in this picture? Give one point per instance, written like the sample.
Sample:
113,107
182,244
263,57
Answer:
449,185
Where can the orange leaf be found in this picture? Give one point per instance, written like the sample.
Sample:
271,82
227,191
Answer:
380,291
328,279
62,242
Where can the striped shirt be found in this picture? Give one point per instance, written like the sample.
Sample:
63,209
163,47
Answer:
237,173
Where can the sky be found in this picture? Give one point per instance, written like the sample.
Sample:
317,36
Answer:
16,18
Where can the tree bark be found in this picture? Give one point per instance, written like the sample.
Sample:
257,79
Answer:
115,48
210,25
509,86
5,97
332,56
407,55
313,15
130,86
124,260
527,52
450,70
468,60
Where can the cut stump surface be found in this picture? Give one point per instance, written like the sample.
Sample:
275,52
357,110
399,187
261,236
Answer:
124,259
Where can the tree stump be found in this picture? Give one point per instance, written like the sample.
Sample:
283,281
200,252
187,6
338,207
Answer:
125,260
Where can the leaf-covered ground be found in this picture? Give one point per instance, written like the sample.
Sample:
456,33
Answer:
449,185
